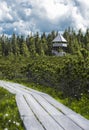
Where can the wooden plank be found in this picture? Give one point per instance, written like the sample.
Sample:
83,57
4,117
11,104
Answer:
47,121
21,89
57,115
17,89
77,118
46,105
29,120
27,89
67,123
14,90
58,105
7,88
81,121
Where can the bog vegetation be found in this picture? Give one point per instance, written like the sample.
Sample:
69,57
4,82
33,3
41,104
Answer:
29,60
9,115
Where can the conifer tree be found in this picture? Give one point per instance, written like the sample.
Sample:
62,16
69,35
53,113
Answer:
15,48
32,47
24,49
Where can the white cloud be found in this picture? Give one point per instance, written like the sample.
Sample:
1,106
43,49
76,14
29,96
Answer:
24,16
5,12
54,9
27,12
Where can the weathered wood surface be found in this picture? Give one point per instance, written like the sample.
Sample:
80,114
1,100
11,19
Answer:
39,111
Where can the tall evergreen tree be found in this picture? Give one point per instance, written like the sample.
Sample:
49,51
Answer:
15,48
37,43
32,48
24,49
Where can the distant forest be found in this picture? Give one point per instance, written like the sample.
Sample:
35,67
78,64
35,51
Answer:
35,45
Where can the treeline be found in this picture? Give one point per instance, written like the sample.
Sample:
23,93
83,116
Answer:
30,46
34,45
78,42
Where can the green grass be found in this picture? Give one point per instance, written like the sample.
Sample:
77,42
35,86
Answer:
9,115
80,106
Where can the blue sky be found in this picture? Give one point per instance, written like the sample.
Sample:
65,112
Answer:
26,16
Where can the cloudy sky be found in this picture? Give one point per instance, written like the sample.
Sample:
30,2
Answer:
25,16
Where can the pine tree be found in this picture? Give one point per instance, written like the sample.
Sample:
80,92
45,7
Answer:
4,46
80,38
44,46
37,43
24,49
86,39
32,47
15,48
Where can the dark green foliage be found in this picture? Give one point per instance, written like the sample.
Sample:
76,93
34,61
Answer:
74,77
66,74
9,115
36,45
29,46
69,74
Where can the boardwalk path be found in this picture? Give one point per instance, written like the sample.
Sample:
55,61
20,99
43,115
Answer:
40,111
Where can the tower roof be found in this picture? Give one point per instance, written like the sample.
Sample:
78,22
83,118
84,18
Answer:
59,38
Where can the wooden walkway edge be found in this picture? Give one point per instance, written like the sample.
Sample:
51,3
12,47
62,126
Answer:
39,111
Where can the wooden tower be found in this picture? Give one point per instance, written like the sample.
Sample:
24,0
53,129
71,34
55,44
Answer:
59,45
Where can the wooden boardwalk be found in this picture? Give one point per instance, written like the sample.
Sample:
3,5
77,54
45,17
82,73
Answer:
39,111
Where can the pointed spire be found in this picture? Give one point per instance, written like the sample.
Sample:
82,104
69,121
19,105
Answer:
59,39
